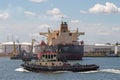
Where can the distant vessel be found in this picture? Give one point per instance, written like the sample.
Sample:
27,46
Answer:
49,62
14,54
64,42
21,54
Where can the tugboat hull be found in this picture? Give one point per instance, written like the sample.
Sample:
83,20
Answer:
78,68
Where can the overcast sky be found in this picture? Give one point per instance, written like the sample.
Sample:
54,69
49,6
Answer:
24,19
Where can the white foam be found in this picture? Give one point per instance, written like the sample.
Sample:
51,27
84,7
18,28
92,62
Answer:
104,70
21,70
110,70
89,71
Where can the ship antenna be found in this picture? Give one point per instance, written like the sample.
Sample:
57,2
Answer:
48,30
62,19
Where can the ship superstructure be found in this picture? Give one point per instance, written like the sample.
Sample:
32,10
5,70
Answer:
62,36
64,42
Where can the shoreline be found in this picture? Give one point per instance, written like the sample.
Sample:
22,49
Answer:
99,55
4,55
85,55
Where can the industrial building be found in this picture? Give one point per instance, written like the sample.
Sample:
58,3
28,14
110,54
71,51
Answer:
102,48
8,47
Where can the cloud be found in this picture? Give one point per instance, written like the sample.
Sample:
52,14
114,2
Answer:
75,21
56,13
107,8
38,1
4,15
43,26
34,35
116,28
83,12
104,33
94,29
29,13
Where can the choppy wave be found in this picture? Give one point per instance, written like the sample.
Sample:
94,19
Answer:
21,70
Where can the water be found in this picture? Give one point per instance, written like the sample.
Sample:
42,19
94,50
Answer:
109,70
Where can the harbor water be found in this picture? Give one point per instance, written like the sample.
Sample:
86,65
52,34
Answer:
109,70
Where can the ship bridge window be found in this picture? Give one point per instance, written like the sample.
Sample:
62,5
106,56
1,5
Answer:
46,56
74,41
64,31
59,63
57,34
54,55
53,38
70,34
45,63
43,55
53,64
49,56
40,63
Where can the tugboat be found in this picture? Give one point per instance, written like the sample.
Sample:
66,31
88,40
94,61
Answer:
64,42
49,62
22,54
14,54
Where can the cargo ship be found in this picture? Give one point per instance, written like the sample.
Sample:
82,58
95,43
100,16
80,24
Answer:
64,43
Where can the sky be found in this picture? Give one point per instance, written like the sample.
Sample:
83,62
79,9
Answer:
23,19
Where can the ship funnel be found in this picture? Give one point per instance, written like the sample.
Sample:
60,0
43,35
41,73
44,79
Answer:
64,27
65,22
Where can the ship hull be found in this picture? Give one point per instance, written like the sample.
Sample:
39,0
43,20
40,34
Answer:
71,52
71,56
65,52
77,68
